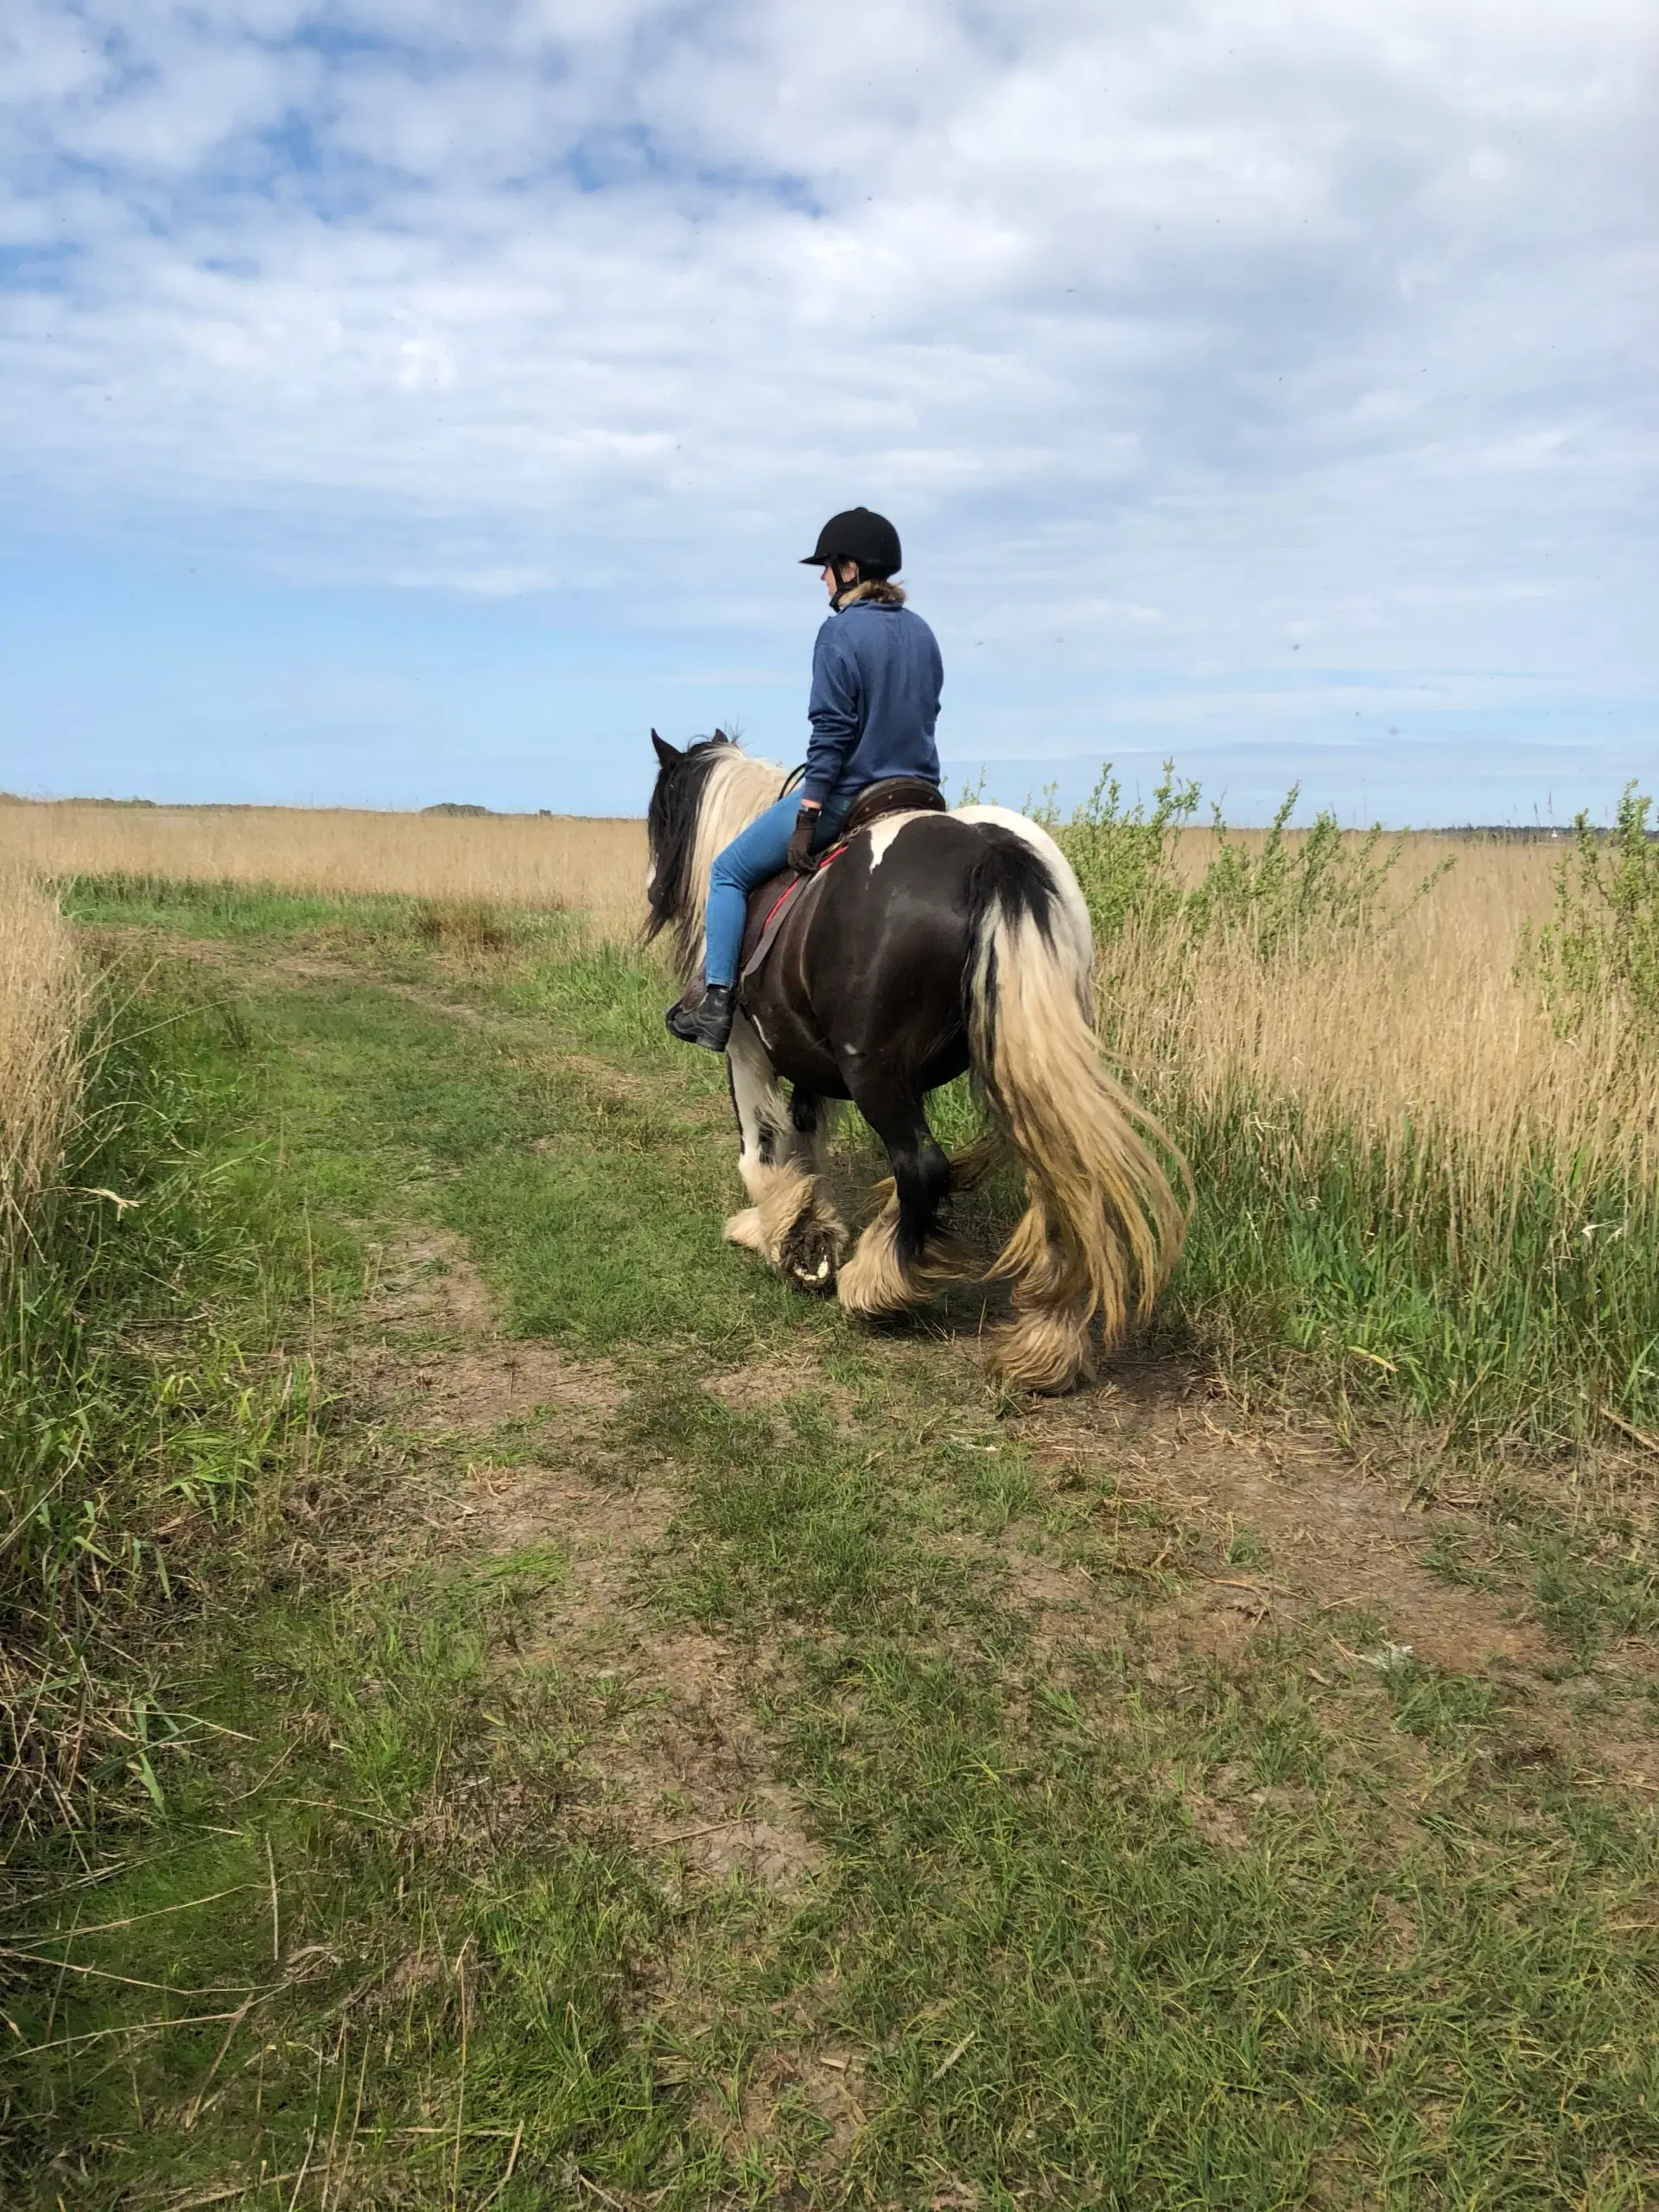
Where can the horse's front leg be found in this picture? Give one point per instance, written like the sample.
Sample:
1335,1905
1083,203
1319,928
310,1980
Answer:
789,1220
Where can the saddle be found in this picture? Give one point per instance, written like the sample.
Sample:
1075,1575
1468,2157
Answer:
892,795
772,903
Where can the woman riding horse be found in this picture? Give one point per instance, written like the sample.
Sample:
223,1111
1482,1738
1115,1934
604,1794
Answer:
940,944
876,676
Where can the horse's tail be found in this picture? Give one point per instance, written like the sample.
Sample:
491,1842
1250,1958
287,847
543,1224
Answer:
1102,1227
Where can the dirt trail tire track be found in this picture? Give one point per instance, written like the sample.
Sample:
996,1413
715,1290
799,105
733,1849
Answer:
687,1769
690,1771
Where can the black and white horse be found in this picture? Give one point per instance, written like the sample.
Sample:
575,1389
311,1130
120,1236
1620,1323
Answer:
935,943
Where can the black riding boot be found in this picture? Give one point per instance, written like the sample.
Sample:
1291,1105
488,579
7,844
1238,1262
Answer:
709,1022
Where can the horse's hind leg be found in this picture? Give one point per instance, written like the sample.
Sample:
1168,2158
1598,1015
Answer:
905,1256
789,1220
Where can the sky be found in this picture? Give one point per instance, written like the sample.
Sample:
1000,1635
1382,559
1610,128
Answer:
412,401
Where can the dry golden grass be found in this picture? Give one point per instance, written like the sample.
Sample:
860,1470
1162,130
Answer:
42,1007
1423,1038
541,863
1426,1027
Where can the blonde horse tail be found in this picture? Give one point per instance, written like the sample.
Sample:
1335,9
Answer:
1102,1226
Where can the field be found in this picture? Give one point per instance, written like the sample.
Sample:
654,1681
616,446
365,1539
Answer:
506,1705
539,864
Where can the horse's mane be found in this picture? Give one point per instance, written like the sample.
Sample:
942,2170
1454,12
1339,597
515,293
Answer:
699,803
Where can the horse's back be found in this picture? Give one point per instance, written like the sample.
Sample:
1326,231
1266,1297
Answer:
878,961
922,860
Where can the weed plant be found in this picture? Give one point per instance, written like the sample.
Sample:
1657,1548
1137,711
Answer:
1126,858
1599,955
1293,898
1283,892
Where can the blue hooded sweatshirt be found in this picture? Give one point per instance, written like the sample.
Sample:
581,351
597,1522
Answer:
876,678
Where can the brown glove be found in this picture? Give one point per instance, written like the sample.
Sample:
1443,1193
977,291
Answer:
800,844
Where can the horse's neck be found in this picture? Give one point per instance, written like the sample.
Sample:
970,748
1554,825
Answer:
738,792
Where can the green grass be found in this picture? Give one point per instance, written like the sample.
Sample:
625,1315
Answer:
1493,1328
1092,1918
147,1391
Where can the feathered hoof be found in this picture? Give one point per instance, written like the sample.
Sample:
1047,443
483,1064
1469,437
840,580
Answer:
872,1282
811,1255
876,1281
1048,1352
793,1228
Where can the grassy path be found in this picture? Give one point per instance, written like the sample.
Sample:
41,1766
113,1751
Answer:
651,1745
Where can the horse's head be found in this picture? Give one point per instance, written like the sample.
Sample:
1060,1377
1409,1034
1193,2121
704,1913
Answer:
701,798
672,891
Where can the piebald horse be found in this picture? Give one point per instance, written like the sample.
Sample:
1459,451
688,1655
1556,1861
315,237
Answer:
932,945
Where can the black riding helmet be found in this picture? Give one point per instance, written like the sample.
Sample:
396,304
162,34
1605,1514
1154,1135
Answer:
858,535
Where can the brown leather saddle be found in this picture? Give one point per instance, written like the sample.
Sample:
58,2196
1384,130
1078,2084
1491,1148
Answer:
772,903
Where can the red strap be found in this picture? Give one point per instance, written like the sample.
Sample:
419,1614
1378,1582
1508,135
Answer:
780,902
783,897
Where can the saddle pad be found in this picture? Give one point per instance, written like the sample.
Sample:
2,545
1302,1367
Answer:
771,905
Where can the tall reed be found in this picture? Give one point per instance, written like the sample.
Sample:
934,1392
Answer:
43,1006
1406,1170
121,1454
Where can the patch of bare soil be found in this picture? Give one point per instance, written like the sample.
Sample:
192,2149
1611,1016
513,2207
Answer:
767,1385
1333,1535
322,967
316,964
477,1388
691,1777
686,1769
617,1084
1221,1809
831,2083
426,1280
426,1285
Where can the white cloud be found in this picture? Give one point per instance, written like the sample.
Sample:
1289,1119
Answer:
1209,322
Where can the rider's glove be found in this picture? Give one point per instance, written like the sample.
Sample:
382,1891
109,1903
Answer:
800,844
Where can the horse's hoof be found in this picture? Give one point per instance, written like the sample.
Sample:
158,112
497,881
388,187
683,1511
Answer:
813,1258
819,1279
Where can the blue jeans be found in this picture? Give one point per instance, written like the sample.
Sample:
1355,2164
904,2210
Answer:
750,859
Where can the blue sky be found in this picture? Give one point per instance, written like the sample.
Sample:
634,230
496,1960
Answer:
419,401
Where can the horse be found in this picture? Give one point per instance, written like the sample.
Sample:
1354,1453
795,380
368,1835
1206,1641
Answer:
932,943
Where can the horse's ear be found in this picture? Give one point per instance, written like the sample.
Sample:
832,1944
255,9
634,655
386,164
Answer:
721,738
667,754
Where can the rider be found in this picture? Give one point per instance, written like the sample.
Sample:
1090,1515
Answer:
876,675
